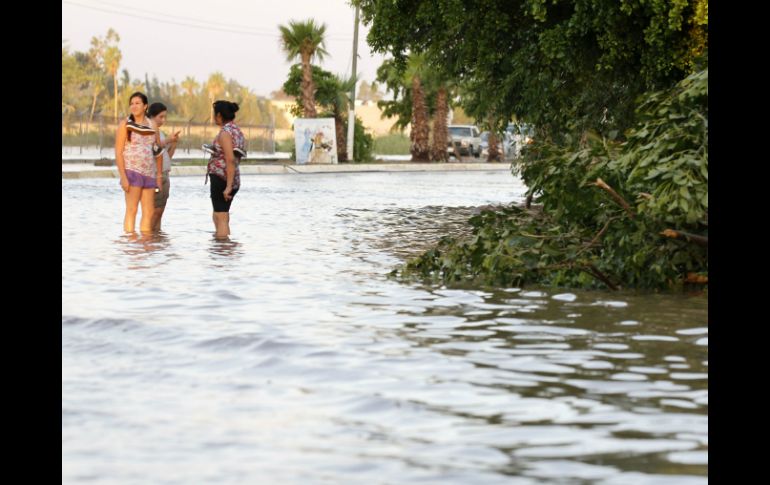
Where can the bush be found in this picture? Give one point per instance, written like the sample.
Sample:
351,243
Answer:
362,144
607,206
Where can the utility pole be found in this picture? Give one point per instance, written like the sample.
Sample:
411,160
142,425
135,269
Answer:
352,112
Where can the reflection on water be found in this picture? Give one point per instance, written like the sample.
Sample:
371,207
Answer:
297,360
225,247
138,247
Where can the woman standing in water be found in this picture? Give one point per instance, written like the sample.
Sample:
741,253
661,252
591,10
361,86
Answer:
223,166
134,156
157,114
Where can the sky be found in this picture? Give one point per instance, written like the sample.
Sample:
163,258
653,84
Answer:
172,39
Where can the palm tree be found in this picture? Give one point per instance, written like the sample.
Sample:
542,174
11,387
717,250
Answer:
440,130
340,106
420,134
214,87
111,56
493,152
94,79
94,62
305,40
190,86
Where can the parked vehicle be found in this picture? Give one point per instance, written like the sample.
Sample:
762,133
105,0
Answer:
503,144
469,138
520,135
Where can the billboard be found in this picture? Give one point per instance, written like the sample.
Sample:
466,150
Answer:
315,140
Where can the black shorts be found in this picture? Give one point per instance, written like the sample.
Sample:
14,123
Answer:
217,194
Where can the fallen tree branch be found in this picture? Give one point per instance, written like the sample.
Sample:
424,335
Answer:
593,270
597,237
696,278
620,200
693,238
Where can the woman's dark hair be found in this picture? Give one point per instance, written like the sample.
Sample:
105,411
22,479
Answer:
155,109
226,109
144,101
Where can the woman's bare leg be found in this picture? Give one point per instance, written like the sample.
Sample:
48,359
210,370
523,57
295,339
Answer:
148,208
222,224
132,205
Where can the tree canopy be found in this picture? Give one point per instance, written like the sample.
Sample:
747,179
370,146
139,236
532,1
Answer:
562,64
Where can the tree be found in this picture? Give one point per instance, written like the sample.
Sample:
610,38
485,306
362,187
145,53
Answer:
368,92
396,82
415,87
341,104
215,86
280,95
190,87
420,134
440,130
305,40
493,152
333,94
73,77
110,57
563,65
93,64
125,80
84,81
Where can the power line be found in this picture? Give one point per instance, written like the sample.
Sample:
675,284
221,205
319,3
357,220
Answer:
178,17
231,28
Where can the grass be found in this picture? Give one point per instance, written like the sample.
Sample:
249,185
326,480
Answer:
392,144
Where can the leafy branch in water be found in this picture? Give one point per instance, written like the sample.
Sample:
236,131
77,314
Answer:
630,213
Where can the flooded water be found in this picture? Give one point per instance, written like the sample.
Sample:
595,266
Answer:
286,355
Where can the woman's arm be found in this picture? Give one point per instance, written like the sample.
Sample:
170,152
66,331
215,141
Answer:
226,142
159,158
120,143
172,142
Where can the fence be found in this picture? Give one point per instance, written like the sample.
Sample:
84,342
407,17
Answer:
94,137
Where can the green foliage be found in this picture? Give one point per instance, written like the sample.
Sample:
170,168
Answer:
584,237
397,79
253,110
87,86
667,153
363,143
332,91
564,65
287,145
303,38
509,247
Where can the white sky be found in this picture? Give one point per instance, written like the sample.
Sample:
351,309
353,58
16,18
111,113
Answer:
171,51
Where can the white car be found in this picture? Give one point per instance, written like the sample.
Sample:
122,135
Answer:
469,138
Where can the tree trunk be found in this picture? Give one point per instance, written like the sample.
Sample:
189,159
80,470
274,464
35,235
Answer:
342,146
440,133
493,152
420,130
93,104
308,87
115,91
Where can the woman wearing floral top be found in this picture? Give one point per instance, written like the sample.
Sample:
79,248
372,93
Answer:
139,168
223,168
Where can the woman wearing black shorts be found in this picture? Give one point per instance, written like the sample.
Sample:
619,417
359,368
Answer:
223,168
